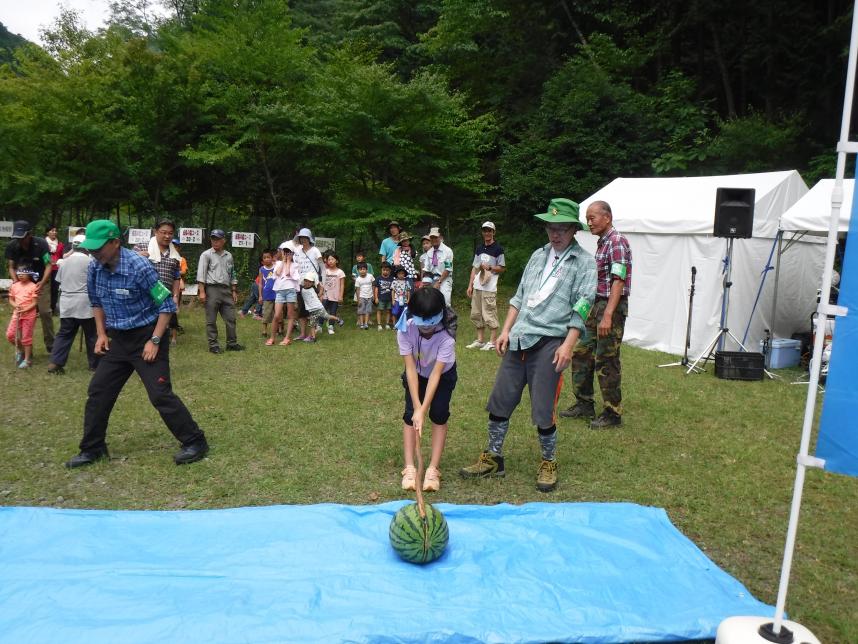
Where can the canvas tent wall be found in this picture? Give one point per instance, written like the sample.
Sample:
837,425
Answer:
669,222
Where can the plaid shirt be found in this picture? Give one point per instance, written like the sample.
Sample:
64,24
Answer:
167,269
561,310
124,294
613,260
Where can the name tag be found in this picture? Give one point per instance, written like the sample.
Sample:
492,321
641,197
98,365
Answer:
122,291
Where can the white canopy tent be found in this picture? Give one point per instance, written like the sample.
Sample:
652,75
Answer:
812,213
669,223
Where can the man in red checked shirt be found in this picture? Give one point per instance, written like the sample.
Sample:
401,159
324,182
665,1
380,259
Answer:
599,351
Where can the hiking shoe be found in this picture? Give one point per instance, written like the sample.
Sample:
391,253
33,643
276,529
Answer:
607,419
235,347
409,478
487,465
476,344
546,476
55,369
488,346
432,479
579,410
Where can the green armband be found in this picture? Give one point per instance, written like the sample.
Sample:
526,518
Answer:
46,258
582,308
619,270
159,293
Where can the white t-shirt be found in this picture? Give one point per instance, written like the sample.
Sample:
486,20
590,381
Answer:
364,286
309,261
71,275
311,300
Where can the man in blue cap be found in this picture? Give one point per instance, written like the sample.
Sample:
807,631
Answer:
132,309
545,320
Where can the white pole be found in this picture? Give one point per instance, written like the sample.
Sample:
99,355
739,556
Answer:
836,200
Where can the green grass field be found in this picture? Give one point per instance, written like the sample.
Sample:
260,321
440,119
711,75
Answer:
321,423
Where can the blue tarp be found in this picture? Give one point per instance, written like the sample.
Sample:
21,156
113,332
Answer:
584,572
838,426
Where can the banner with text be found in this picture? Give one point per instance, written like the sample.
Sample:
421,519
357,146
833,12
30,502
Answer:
6,228
838,427
191,235
242,240
139,235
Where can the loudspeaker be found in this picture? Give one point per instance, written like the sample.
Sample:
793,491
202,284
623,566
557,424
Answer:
734,212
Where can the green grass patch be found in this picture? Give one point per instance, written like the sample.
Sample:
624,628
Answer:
322,423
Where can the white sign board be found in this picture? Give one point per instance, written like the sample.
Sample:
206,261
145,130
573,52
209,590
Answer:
326,243
242,240
139,235
191,235
6,228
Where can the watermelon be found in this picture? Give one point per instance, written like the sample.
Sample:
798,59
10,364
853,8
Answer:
416,539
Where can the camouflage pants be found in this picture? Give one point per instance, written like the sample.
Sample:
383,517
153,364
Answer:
595,355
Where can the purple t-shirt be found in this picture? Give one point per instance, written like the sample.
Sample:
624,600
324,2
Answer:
441,347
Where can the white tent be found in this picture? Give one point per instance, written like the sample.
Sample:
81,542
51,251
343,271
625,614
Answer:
812,213
669,223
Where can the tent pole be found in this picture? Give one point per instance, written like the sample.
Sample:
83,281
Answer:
804,460
777,283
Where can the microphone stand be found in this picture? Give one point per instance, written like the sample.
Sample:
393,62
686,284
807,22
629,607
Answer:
684,361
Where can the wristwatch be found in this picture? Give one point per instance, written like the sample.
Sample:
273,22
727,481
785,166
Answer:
155,340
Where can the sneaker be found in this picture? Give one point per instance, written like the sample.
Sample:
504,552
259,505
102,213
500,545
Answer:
341,322
546,476
487,465
387,327
607,419
215,350
269,342
488,346
432,479
476,344
55,369
581,409
379,328
330,330
24,364
409,478
309,339
301,338
19,355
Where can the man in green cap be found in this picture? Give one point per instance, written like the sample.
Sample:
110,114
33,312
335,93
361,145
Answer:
132,309
545,319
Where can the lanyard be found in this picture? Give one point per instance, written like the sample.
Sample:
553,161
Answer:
554,266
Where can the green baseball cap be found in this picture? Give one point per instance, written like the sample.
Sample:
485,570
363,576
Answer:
99,232
562,211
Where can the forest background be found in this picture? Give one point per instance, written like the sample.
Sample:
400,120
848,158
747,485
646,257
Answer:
264,115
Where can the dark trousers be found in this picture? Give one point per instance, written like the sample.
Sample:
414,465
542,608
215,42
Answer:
219,300
65,338
116,366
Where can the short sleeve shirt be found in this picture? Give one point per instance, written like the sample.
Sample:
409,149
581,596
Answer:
441,347
331,284
38,255
267,276
364,286
493,256
613,260
388,248
385,287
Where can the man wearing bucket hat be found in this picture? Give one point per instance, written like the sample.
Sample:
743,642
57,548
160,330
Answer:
546,317
132,309
35,253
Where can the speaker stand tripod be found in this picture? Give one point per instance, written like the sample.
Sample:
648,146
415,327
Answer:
723,331
684,361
